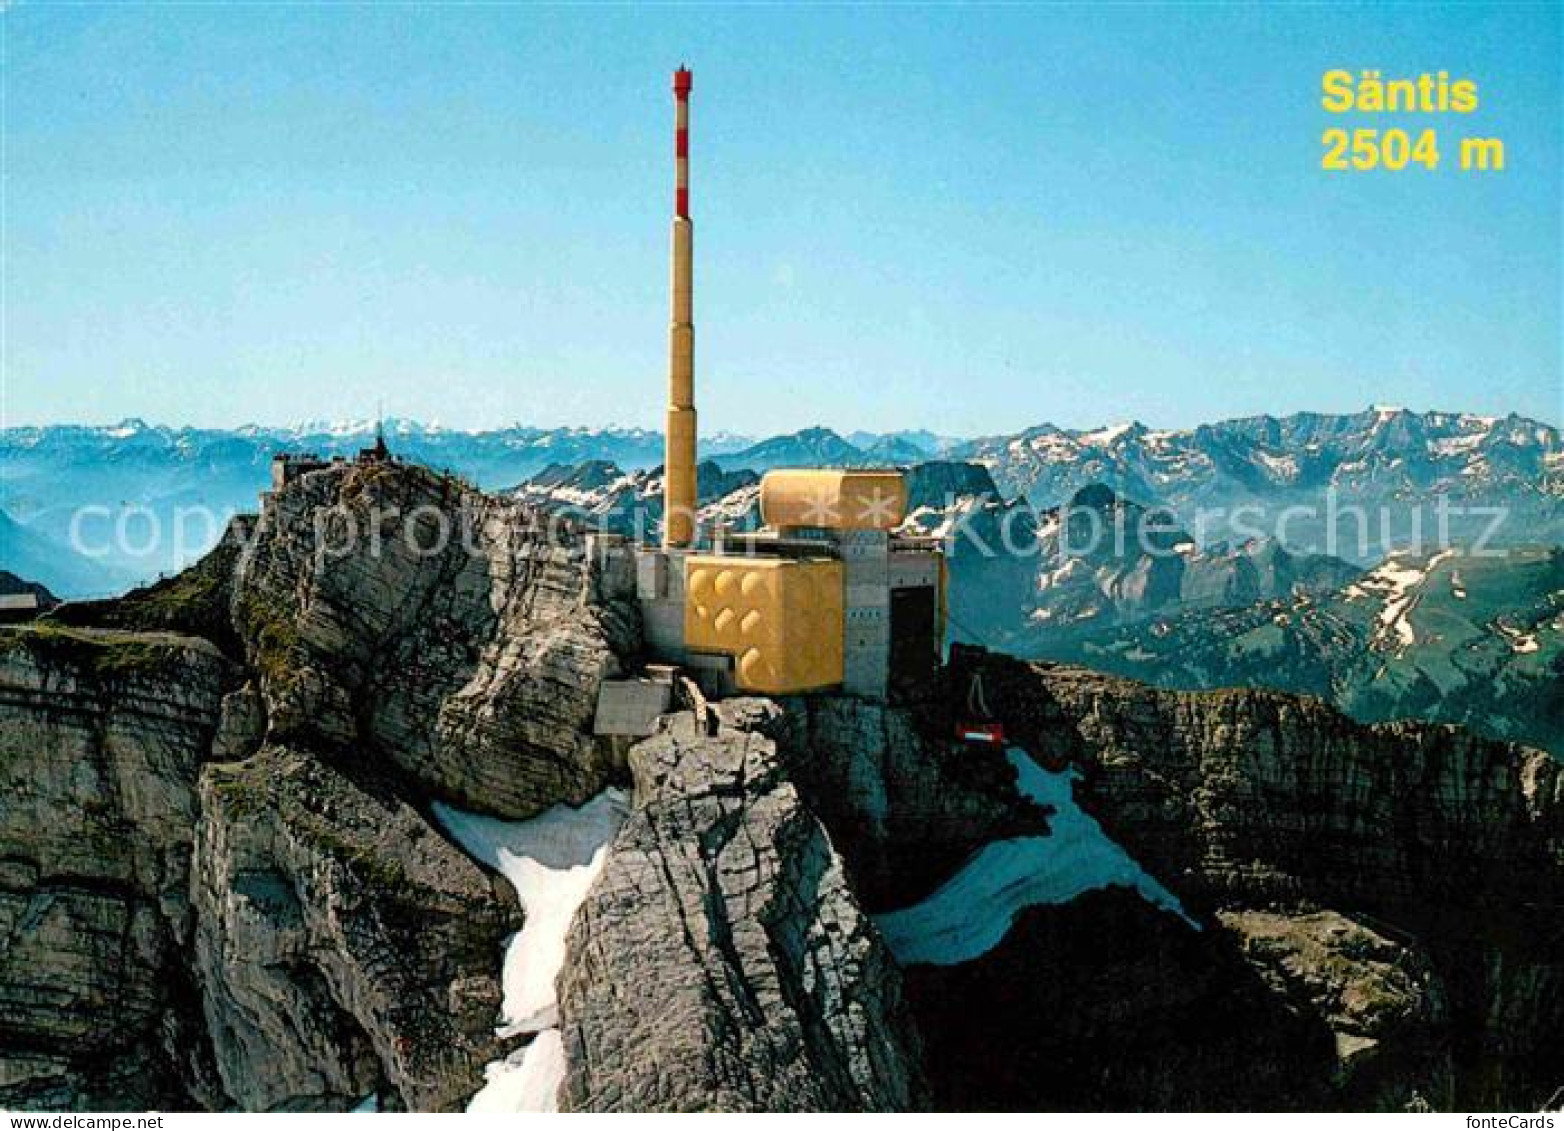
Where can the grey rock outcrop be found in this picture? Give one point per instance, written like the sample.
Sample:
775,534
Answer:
395,613
904,806
343,947
335,944
722,962
101,737
1380,999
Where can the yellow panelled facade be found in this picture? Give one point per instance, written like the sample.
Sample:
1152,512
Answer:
780,619
834,499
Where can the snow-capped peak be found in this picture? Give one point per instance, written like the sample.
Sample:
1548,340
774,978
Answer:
130,426
1102,437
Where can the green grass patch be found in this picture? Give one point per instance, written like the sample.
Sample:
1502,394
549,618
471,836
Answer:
107,656
274,640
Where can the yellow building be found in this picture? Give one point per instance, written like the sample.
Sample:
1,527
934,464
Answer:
779,619
825,597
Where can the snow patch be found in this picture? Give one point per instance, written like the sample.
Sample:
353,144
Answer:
734,505
551,860
1102,437
337,428
1523,643
973,911
944,522
526,1080
1053,578
1050,447
1398,602
1397,585
934,522
1457,445
1282,467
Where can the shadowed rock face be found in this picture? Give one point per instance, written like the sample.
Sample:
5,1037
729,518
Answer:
904,806
101,737
1105,1002
1258,795
343,947
722,961
1396,887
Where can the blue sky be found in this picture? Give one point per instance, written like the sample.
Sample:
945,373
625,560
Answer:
967,219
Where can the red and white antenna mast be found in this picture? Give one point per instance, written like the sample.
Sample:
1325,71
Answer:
679,452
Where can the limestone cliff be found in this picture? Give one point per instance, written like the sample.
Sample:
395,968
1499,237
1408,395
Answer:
722,960
343,947
399,616
101,738
218,885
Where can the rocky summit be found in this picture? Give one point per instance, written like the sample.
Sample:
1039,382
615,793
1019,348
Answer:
230,875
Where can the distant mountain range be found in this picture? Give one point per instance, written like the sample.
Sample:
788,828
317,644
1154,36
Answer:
1385,458
605,495
151,473
1099,560
1391,463
1445,636
1186,599
1393,448
821,447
